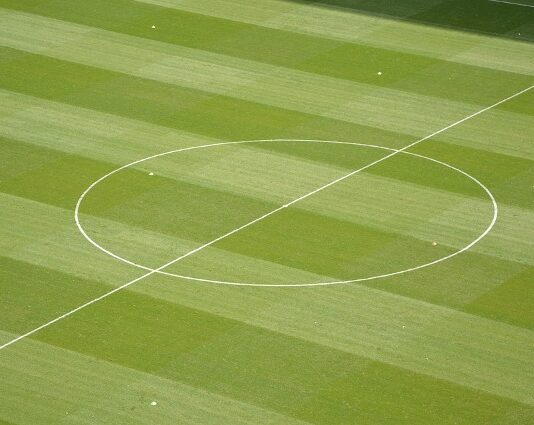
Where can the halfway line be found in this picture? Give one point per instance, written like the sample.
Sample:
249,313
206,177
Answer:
250,223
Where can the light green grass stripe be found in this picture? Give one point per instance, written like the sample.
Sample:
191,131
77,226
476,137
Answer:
86,132
252,81
465,349
76,389
437,341
105,137
49,227
497,131
427,339
392,205
383,32
54,242
363,104
48,237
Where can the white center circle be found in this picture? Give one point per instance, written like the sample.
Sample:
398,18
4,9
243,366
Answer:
491,221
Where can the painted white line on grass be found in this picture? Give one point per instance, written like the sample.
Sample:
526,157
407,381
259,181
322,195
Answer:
512,3
223,282
126,285
394,152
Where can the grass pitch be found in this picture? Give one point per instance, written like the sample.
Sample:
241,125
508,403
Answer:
88,86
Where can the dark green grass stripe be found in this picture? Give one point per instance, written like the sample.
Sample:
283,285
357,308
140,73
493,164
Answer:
303,52
61,182
40,184
136,214
207,214
297,378
511,302
523,104
485,286
203,217
33,295
225,117
54,178
497,171
328,247
155,102
508,177
19,158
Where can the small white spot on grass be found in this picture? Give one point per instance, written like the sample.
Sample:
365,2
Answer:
150,174
379,73
154,403
153,27
434,243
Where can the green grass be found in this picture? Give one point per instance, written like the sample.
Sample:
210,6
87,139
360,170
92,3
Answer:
86,87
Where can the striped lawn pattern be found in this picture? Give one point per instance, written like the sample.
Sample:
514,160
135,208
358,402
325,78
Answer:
86,87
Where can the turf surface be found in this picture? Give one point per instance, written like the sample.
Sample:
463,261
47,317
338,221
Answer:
86,87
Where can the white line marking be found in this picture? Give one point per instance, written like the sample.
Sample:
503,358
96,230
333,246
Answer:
126,285
197,279
512,3
394,152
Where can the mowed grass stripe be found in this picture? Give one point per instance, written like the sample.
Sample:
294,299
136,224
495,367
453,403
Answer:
205,113
357,103
51,126
108,123
120,140
507,176
249,81
393,173
106,386
392,207
78,258
42,289
186,355
51,226
254,82
201,217
353,319
280,48
366,331
161,104
41,239
86,388
213,337
376,30
61,335
339,338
